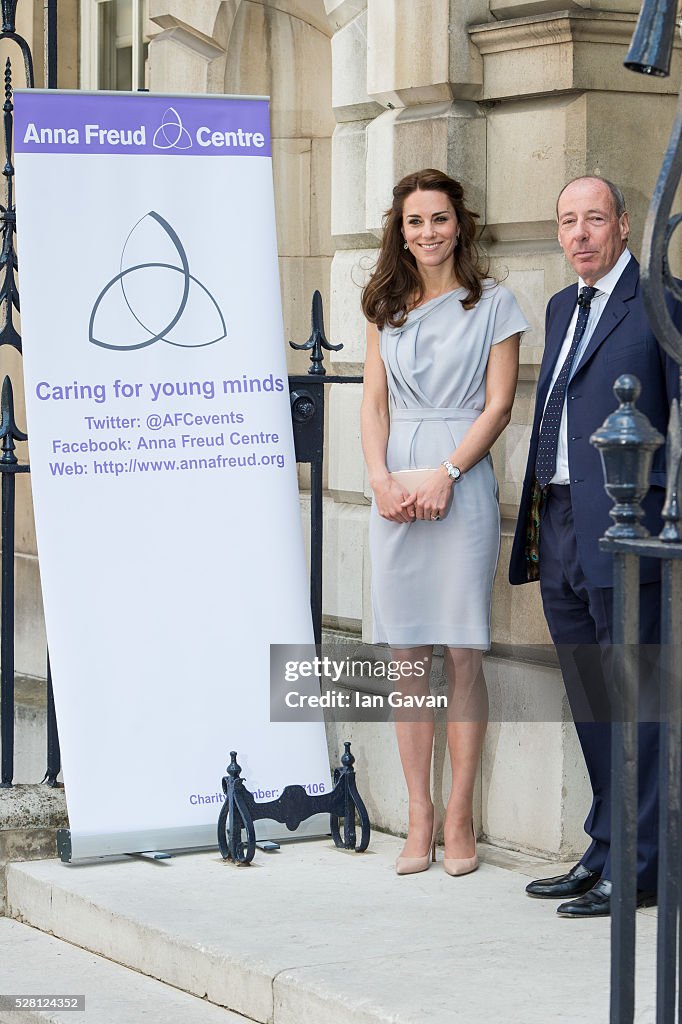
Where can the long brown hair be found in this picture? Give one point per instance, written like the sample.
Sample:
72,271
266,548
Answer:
396,284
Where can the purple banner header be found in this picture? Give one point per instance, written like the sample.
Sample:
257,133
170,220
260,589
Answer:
140,123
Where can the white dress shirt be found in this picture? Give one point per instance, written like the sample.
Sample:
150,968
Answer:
604,288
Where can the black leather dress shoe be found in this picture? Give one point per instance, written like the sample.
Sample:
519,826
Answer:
597,902
577,881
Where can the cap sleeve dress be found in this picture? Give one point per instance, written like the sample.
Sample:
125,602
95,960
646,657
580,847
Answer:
432,581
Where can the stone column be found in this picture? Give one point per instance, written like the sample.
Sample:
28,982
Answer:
280,50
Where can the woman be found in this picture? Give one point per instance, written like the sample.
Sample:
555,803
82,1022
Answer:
440,378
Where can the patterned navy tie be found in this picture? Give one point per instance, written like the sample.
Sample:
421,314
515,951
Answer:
545,463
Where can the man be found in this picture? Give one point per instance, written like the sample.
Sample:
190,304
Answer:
595,331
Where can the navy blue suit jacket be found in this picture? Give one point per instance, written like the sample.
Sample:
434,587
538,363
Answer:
621,343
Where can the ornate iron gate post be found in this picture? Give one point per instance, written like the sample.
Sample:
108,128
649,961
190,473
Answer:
650,53
9,431
307,412
626,443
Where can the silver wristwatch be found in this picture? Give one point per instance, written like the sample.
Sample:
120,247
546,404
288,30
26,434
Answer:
454,472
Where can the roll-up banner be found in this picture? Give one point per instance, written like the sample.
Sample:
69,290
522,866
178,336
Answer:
164,479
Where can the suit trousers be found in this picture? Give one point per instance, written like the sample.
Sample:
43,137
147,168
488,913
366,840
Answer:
580,620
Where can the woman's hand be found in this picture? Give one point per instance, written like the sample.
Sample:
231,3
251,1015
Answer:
432,498
392,501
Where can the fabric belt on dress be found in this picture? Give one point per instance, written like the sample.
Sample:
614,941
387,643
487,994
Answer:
435,414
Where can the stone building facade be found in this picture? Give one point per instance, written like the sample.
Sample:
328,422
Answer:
512,97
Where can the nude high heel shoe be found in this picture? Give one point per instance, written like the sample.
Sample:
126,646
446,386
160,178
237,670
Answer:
462,865
412,865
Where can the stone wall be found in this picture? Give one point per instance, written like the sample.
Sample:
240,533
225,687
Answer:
513,97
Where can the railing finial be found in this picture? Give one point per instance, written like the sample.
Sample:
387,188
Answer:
9,431
317,340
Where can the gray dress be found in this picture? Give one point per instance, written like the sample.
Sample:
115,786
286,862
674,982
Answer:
432,581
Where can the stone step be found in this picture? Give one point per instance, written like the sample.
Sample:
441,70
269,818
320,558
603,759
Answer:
41,965
316,934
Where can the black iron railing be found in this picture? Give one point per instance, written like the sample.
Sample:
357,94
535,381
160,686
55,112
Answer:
627,444
9,431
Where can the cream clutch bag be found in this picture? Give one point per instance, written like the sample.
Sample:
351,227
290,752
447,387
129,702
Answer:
410,479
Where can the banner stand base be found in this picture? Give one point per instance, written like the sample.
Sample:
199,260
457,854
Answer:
64,845
240,811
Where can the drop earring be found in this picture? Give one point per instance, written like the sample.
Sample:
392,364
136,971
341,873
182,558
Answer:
405,245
